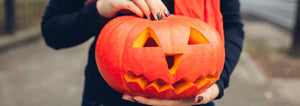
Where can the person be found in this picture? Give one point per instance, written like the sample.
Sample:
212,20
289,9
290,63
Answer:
67,23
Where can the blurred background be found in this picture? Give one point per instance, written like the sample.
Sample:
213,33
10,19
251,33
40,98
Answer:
32,74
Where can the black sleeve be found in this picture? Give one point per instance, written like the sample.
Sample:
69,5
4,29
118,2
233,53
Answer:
234,36
67,23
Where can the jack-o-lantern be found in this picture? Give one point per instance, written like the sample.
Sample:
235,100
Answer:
175,58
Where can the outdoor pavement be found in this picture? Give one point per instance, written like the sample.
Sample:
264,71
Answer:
36,75
279,12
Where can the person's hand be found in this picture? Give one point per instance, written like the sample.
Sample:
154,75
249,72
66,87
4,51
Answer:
203,98
109,8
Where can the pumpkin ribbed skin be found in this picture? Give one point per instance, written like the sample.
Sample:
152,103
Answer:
175,58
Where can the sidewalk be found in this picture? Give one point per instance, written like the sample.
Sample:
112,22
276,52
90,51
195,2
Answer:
36,75
246,89
20,37
249,86
243,89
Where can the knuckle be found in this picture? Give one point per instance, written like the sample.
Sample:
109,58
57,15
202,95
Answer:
154,10
114,5
128,5
206,100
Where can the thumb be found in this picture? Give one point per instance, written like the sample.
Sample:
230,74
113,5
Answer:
209,95
129,5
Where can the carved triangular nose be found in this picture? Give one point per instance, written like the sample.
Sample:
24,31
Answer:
170,61
173,61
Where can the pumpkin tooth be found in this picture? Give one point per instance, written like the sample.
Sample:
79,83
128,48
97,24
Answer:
201,81
213,77
191,90
163,85
156,89
168,93
160,85
129,76
152,89
182,85
154,85
141,80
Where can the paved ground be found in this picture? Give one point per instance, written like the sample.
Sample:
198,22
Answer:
249,87
35,75
280,12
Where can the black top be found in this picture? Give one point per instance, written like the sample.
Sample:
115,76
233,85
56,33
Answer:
68,23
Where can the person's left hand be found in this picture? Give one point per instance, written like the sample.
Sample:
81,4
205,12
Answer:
203,98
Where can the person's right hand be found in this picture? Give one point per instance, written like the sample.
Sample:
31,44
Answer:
109,8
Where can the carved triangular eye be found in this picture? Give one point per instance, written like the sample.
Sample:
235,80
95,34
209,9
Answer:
196,37
146,39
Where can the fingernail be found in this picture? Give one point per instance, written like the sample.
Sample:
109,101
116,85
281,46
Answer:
134,100
166,13
125,97
159,16
200,98
145,16
151,17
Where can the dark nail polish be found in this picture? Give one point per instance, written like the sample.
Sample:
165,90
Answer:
145,16
200,98
159,16
151,17
166,13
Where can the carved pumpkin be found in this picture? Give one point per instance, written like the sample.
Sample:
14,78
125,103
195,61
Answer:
175,58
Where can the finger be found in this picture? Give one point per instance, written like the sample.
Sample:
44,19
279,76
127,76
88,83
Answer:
147,101
151,101
155,9
166,13
128,97
132,7
203,98
143,6
164,10
103,9
199,99
210,94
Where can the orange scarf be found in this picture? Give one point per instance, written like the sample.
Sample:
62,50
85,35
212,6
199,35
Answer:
206,10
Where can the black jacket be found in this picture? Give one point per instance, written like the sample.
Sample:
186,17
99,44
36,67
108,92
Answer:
68,23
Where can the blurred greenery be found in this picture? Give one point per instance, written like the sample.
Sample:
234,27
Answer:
27,12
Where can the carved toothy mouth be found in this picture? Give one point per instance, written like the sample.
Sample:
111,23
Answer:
161,85
148,38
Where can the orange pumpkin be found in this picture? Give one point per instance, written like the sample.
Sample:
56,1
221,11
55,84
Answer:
175,58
